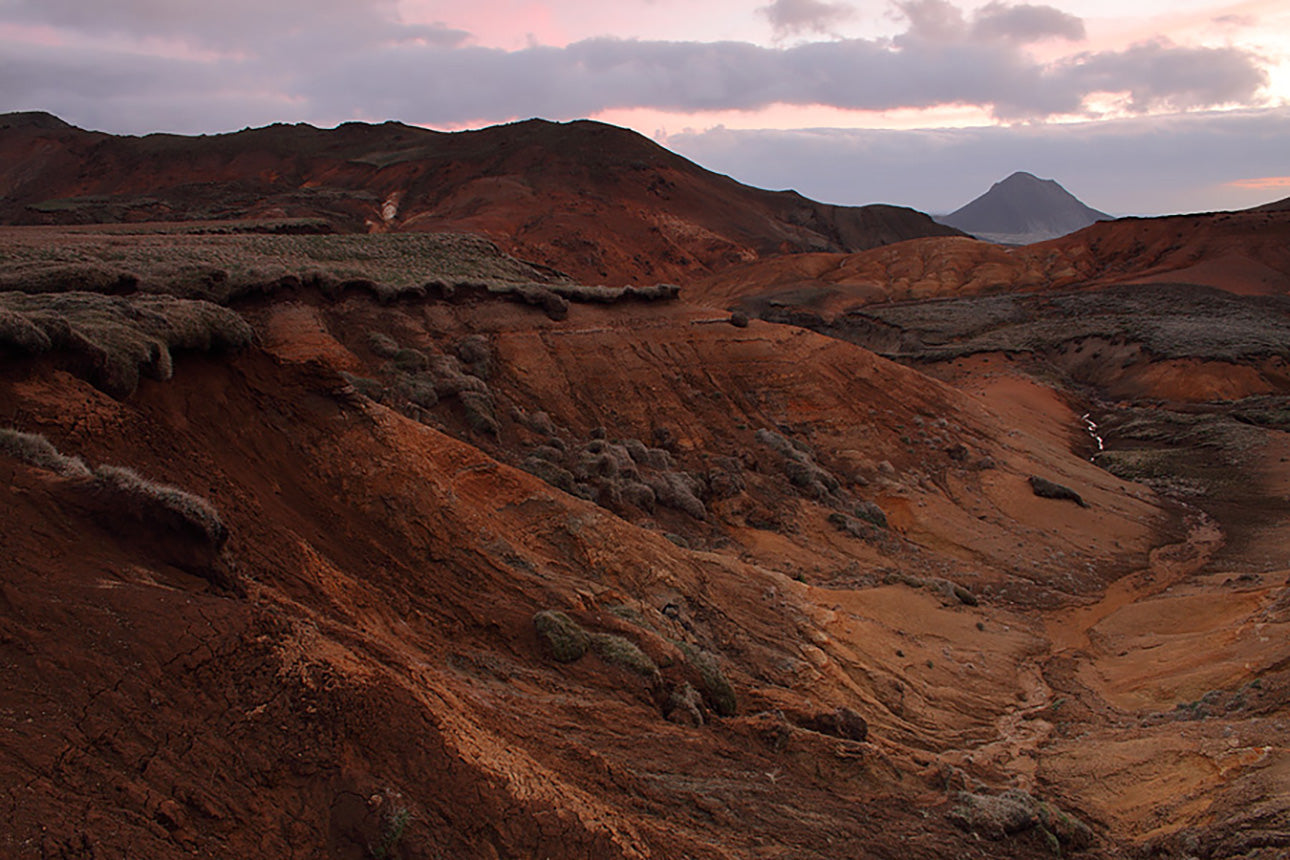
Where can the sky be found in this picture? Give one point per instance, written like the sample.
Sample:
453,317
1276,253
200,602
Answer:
1148,107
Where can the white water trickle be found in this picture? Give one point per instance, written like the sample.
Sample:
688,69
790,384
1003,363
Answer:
1091,426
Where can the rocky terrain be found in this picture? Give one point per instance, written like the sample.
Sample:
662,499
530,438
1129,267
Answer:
402,545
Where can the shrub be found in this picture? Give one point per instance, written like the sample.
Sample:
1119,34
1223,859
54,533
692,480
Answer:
995,815
639,495
725,479
548,452
369,388
396,822
1015,811
606,460
410,360
181,508
418,390
862,529
564,636
382,345
685,706
623,652
538,422
36,450
449,380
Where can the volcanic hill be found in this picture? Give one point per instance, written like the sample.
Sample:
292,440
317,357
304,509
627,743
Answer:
1022,209
396,544
602,203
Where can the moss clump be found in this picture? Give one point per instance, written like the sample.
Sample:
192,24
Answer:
382,345
1046,489
410,360
629,614
564,636
366,386
997,816
479,412
678,490
36,450
717,691
476,355
799,465
870,512
623,652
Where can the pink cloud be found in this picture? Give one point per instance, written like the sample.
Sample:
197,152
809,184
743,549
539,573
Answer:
1262,183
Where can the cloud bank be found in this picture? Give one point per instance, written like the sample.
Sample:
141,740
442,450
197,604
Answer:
242,62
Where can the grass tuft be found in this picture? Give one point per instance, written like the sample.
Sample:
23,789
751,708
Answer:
152,500
36,450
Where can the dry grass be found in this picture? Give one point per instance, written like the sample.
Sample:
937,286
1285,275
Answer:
224,266
113,339
36,450
152,502
125,490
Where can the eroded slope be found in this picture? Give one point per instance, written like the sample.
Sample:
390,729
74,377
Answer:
904,629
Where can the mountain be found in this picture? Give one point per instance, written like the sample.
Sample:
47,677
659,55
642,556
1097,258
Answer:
601,203
1023,209
1275,206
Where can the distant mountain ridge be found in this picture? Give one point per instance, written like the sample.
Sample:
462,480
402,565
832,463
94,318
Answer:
1022,209
601,203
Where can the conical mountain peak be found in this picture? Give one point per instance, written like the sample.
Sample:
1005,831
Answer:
1023,208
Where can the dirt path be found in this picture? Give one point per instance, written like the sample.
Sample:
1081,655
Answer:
1166,565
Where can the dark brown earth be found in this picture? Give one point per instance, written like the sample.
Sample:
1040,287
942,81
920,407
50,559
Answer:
601,203
828,614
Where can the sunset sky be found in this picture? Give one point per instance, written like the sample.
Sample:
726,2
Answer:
1138,108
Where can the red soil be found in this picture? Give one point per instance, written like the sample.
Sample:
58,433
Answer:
1241,252
384,656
